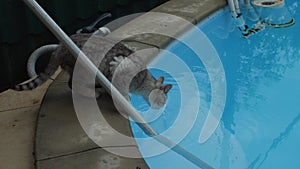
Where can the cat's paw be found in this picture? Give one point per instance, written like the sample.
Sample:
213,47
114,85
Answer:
116,62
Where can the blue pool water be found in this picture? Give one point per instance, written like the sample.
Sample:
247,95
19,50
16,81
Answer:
260,126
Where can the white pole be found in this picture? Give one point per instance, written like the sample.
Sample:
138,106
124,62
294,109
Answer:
129,109
78,54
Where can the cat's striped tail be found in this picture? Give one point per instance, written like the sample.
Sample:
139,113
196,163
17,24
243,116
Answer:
41,78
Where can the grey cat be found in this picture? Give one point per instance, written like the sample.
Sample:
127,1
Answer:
115,60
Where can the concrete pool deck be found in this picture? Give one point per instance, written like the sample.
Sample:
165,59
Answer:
60,142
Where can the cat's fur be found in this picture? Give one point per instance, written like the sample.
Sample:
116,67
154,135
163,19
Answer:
116,61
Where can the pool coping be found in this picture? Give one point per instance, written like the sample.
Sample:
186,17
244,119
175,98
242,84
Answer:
174,13
52,123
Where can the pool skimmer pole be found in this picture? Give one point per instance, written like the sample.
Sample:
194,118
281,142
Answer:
129,109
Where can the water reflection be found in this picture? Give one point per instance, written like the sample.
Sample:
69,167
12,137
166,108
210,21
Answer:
264,62
254,67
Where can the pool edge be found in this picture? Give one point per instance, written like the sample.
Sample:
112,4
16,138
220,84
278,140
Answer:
193,11
202,9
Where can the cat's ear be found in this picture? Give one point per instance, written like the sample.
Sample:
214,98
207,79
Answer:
160,81
167,88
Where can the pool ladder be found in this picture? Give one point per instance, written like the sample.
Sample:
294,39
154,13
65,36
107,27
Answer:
237,15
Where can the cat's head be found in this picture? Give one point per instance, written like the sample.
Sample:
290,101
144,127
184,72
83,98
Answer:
158,95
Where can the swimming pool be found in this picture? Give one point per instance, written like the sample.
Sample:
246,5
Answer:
260,126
